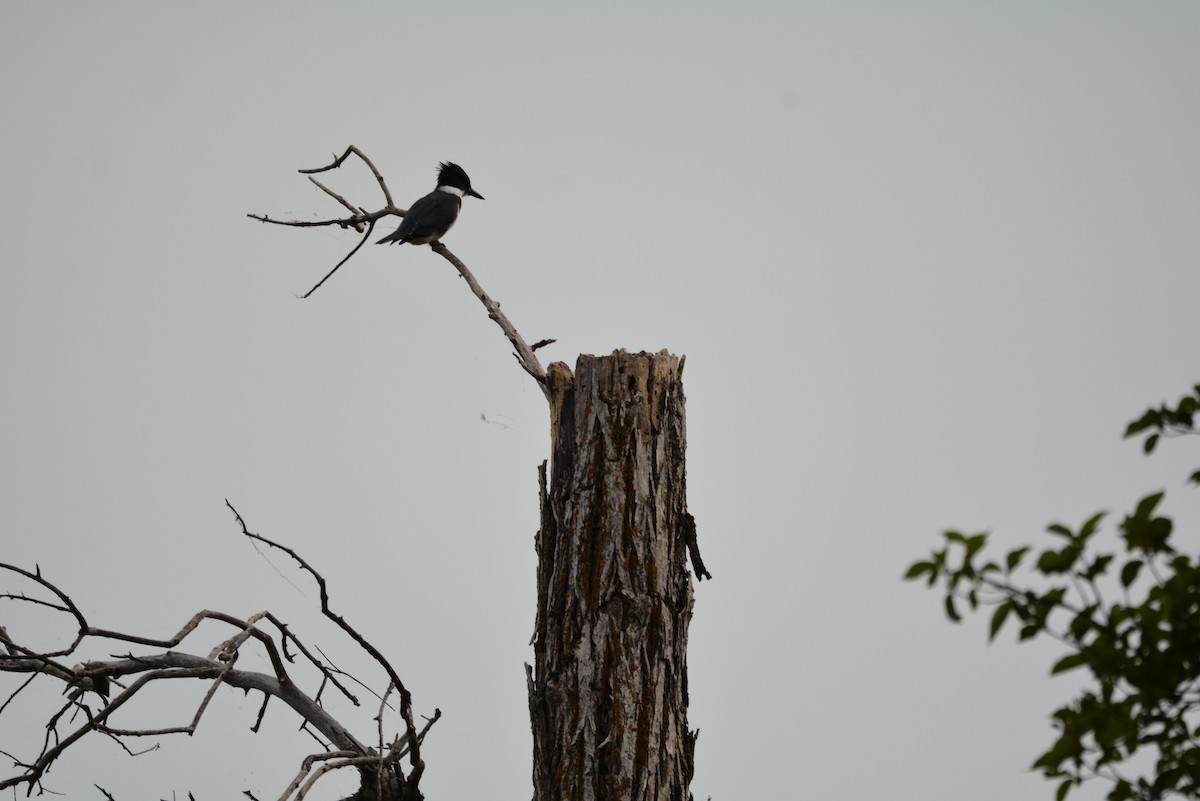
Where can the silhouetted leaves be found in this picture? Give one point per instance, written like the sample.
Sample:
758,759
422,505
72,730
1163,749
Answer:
1142,653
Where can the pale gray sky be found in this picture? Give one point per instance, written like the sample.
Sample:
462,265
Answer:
925,261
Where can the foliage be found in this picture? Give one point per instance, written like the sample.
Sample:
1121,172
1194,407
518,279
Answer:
1130,617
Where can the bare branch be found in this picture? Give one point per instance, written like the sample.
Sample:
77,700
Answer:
79,715
262,711
418,766
525,355
17,691
360,218
338,198
338,162
363,241
306,768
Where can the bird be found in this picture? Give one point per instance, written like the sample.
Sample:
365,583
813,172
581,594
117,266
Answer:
428,220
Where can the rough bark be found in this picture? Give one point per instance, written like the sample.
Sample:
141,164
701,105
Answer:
608,690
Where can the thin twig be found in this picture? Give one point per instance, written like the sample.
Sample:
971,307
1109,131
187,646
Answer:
352,209
216,668
359,218
363,241
418,766
306,768
525,355
338,162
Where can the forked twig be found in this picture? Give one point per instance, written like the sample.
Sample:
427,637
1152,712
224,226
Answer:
418,765
362,220
88,707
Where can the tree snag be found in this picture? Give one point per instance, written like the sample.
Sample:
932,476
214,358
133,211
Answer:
608,691
110,684
608,688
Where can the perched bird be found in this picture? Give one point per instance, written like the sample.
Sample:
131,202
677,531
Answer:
431,217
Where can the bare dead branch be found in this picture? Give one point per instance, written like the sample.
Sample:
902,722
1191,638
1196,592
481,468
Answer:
341,222
327,768
67,604
338,198
338,162
17,691
306,768
379,720
262,711
693,546
36,601
89,709
524,354
121,744
360,217
417,764
361,242
328,672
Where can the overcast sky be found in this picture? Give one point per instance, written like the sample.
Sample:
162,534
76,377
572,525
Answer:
925,261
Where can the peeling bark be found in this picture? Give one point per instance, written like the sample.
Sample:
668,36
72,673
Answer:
608,691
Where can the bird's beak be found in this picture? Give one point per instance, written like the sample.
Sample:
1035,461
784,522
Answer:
473,193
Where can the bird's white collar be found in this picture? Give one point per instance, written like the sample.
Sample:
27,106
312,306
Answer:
453,190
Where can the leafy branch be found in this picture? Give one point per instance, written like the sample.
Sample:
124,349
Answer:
1130,617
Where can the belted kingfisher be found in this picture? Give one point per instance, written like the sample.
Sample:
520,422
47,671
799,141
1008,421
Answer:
430,218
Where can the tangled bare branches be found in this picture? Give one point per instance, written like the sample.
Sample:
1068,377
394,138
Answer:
364,221
96,690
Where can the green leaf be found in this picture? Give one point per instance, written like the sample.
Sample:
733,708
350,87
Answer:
1063,788
1195,479
1055,596
952,610
1147,505
1129,573
1143,531
1083,622
974,543
1051,561
1060,530
1099,567
1160,532
918,569
1014,557
1068,662
1148,445
998,617
1147,420
1091,524
1121,791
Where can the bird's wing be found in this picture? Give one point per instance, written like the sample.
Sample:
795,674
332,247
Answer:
407,225
421,219
429,214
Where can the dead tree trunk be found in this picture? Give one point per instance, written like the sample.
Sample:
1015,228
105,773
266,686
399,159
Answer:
608,692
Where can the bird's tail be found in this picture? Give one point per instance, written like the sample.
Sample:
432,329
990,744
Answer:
391,239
